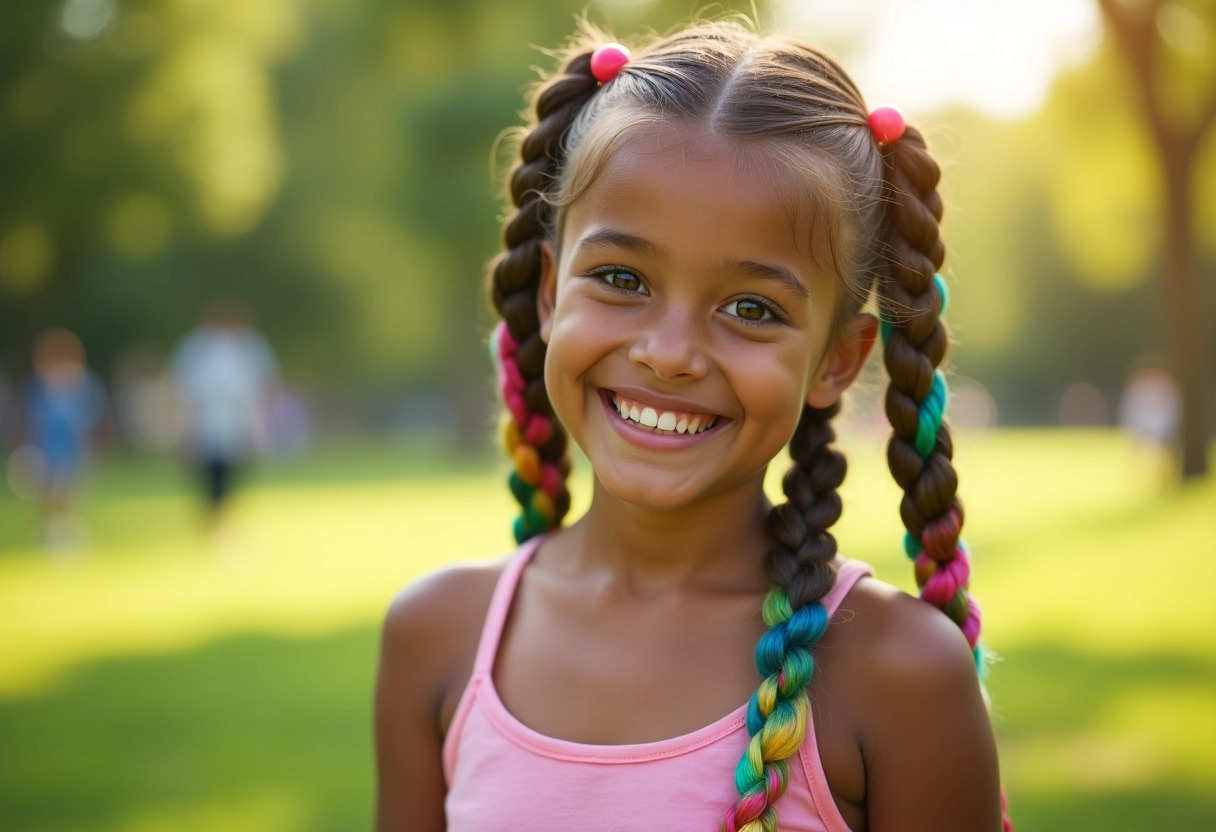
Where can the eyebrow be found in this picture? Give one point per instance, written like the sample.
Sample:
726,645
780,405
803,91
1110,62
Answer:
779,274
611,238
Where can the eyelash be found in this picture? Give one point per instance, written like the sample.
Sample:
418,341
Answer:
778,316
605,272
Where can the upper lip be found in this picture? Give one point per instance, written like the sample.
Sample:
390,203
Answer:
659,401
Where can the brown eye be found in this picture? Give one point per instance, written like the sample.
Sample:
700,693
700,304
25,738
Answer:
628,281
748,310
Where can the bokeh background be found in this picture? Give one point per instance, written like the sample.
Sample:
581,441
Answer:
330,162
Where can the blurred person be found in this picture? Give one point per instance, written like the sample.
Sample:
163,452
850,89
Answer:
64,422
1150,407
226,375
692,238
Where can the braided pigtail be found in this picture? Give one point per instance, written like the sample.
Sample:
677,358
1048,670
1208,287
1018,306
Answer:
913,299
801,565
532,435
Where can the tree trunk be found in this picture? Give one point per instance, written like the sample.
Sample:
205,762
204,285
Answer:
1185,305
1177,146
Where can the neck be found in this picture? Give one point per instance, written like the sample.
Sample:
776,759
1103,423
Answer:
718,541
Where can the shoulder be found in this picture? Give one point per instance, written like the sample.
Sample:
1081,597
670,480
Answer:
437,596
435,619
901,637
917,712
430,634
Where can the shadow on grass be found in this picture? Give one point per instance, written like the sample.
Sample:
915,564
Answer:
266,734
237,723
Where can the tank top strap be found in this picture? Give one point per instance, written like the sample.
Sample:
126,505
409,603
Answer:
500,605
847,576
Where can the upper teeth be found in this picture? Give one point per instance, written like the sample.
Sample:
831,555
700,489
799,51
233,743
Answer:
666,420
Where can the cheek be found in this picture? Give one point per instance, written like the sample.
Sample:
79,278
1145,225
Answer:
570,353
578,334
776,381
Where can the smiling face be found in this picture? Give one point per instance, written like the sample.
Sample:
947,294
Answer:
687,321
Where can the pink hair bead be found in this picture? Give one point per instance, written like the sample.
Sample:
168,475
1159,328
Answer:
945,579
551,479
512,378
515,404
607,60
538,431
506,342
887,124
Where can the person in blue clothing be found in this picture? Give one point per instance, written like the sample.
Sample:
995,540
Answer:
65,407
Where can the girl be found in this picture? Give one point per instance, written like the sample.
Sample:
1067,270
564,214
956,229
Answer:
696,231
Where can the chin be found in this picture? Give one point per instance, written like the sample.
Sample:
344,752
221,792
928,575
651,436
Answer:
646,492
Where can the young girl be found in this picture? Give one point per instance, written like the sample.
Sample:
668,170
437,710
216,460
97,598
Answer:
696,230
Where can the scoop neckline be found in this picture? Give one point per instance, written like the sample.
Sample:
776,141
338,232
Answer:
512,726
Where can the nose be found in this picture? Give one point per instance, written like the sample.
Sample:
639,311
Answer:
672,346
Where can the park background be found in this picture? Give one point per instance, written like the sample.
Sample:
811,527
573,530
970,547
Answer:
330,161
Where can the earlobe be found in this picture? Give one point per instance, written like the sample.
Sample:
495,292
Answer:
546,292
844,361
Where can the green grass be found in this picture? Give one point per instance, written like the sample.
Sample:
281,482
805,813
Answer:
165,681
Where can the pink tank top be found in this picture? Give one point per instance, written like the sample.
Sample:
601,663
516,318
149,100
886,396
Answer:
503,775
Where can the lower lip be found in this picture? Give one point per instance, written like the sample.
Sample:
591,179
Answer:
638,435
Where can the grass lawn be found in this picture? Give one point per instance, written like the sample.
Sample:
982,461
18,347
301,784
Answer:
164,681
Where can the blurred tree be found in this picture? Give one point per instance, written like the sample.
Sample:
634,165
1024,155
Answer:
126,135
1168,49
325,159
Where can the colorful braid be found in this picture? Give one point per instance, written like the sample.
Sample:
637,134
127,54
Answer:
778,711
942,564
531,434
801,567
535,483
919,454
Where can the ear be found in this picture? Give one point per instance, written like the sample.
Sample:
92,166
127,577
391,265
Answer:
844,361
546,292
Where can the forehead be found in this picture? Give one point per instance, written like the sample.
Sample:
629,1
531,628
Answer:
696,192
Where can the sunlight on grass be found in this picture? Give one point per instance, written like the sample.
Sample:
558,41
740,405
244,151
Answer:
1067,545
276,812
1064,764
1170,720
292,561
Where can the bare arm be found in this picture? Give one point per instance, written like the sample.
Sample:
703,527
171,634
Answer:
429,638
409,774
927,741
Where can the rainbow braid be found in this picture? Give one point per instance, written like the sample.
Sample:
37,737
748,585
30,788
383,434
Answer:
778,711
942,565
534,483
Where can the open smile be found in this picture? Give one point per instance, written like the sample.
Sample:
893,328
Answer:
657,420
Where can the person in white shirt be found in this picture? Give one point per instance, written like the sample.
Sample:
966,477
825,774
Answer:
226,373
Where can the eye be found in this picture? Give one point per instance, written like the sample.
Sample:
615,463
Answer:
750,310
622,279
